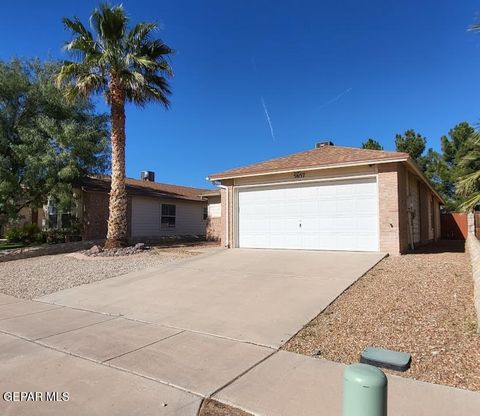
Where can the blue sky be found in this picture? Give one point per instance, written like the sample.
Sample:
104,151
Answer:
339,70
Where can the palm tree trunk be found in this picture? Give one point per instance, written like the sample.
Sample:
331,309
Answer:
117,218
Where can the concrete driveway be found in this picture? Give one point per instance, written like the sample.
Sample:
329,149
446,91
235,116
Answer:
258,296
158,340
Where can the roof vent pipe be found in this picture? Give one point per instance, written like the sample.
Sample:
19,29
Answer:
147,175
323,144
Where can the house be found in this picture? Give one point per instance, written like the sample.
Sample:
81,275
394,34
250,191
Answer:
329,198
155,210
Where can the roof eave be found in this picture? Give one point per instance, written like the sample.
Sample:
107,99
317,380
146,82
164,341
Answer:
418,171
309,168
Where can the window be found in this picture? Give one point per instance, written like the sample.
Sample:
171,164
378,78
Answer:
168,216
205,213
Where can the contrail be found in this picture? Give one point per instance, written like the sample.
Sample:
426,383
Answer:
267,116
335,99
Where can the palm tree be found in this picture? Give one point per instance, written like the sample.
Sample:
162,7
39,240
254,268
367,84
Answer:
125,65
468,186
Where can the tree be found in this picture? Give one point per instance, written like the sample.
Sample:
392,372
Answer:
46,142
125,65
439,173
372,144
457,144
411,142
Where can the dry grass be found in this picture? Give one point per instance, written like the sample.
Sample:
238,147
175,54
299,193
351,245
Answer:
418,303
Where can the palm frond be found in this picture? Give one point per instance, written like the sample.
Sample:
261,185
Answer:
470,203
139,34
143,88
80,79
468,184
76,26
110,23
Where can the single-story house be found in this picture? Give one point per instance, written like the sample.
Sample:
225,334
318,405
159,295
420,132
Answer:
154,211
329,198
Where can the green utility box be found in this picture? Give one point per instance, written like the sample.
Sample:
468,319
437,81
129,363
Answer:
364,391
380,357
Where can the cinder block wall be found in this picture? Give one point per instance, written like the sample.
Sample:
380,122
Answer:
473,248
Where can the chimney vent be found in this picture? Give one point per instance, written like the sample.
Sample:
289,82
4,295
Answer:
323,144
147,175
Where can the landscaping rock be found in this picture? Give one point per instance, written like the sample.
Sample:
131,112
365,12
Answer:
418,303
95,250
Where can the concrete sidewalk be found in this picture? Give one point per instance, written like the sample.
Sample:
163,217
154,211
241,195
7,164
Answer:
110,365
291,384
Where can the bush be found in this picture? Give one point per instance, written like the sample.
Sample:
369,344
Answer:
29,233
13,235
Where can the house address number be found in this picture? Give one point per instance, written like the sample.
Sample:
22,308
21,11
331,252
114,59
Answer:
298,175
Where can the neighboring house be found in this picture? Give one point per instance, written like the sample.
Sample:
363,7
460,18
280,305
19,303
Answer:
330,198
26,216
155,210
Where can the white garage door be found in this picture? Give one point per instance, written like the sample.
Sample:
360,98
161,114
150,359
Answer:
336,215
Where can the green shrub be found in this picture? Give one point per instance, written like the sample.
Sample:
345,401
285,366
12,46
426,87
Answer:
13,235
29,233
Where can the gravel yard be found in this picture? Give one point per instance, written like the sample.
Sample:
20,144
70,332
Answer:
418,303
34,277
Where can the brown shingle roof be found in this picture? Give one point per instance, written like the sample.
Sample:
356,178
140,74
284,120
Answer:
145,188
320,157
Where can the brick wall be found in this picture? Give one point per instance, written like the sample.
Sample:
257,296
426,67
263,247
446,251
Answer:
390,223
402,209
95,215
223,211
227,211
214,229
424,214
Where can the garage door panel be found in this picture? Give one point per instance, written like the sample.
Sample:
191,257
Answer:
338,215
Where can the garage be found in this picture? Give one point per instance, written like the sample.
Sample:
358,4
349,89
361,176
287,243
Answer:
328,215
329,198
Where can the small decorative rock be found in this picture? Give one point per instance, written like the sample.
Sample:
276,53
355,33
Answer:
95,250
140,246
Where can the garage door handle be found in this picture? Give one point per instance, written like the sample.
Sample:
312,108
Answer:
300,225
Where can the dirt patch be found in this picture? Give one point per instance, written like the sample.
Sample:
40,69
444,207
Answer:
213,408
418,303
